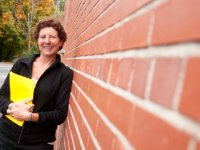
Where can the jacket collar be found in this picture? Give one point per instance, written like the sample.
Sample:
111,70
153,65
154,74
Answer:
29,61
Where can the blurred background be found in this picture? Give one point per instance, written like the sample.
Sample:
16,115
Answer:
136,69
17,22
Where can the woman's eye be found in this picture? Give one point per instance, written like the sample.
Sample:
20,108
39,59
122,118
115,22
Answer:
50,37
42,37
53,37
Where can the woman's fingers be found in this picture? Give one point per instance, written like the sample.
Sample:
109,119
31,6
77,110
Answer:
28,101
31,107
26,105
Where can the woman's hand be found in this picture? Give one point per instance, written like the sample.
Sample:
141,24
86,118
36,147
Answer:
25,105
21,110
20,114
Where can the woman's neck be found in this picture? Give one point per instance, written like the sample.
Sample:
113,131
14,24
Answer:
46,61
41,64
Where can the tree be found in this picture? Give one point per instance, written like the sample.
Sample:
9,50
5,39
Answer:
17,20
29,12
60,5
11,38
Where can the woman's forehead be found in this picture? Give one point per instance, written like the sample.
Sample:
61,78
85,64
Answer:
48,30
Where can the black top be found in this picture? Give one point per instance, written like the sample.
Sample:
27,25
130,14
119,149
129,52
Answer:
51,99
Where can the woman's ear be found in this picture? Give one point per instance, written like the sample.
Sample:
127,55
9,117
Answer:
61,43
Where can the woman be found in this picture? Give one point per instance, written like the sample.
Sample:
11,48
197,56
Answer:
53,82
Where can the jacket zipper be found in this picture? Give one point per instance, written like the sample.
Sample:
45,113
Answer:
20,135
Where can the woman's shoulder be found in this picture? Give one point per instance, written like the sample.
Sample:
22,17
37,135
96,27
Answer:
23,59
17,64
66,70
18,61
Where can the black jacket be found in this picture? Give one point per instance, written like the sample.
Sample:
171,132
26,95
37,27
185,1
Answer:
51,99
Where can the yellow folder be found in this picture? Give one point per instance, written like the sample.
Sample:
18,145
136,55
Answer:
21,88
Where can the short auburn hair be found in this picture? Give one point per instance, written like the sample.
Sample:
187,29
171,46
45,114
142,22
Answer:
54,24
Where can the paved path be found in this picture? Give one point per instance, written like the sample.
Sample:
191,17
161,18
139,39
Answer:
4,69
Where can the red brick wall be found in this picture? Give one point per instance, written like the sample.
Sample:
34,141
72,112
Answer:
136,70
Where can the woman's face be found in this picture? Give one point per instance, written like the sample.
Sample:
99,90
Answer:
48,41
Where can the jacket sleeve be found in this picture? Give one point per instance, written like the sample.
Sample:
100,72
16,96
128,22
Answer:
5,91
59,114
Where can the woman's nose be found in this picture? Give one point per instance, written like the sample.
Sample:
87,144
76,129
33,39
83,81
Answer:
47,40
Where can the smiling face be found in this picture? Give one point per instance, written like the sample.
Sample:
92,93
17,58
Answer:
48,41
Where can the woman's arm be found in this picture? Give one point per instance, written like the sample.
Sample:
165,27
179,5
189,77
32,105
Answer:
58,115
5,91
21,110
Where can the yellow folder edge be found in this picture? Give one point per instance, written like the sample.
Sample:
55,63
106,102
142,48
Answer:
21,88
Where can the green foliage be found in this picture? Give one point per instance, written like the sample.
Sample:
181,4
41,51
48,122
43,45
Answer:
17,22
34,50
11,39
60,5
26,53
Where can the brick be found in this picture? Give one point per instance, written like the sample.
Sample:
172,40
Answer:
114,71
181,23
92,68
104,69
69,62
121,114
198,146
84,12
103,23
112,40
81,125
75,14
135,32
66,144
77,116
86,108
77,64
133,123
82,8
74,90
79,18
140,76
121,72
97,125
125,8
86,49
69,52
107,101
77,80
125,73
82,64
190,98
98,68
69,136
101,5
99,64
105,136
90,144
152,133
73,130
107,69
164,81
132,34
60,137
